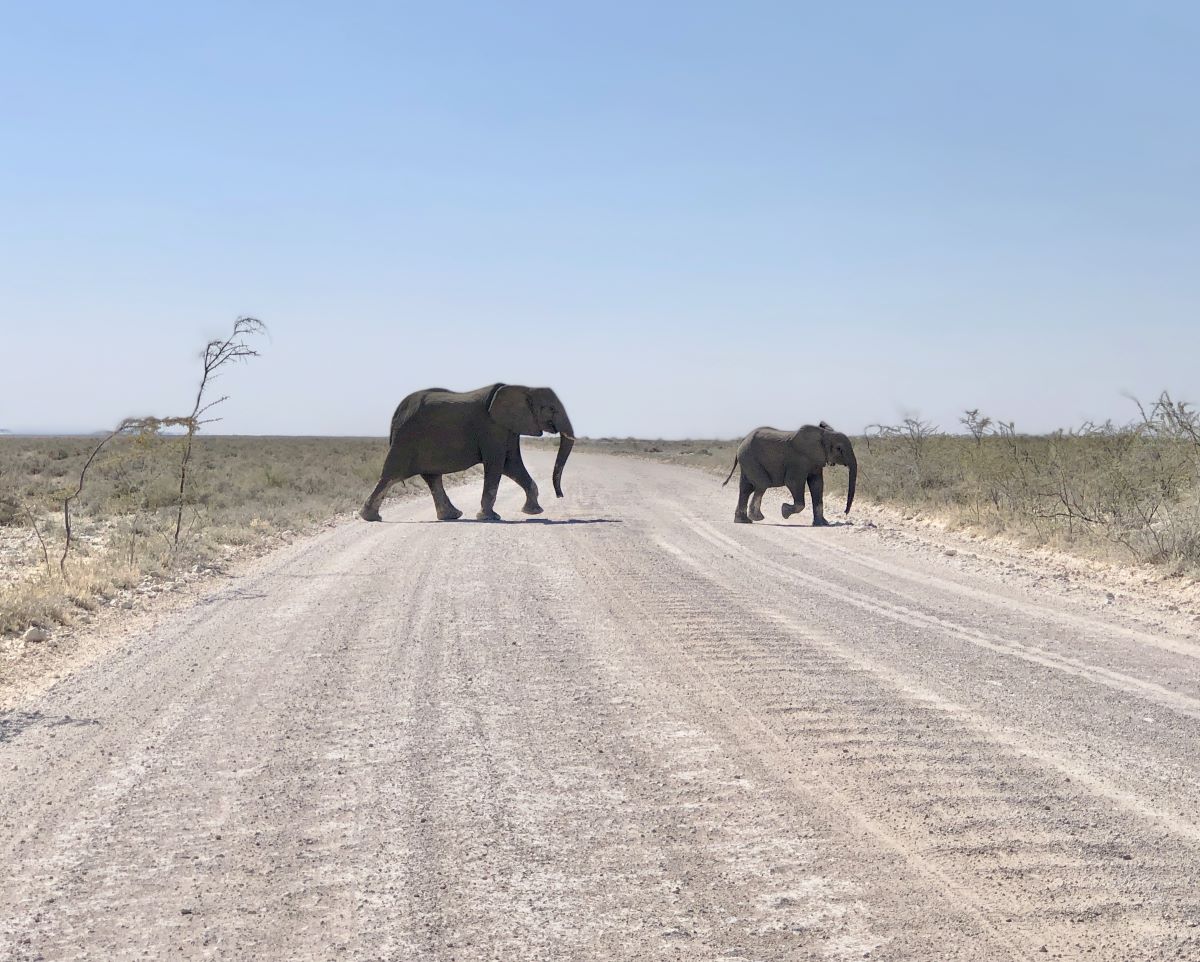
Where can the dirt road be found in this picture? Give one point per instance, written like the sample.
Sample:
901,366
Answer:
646,733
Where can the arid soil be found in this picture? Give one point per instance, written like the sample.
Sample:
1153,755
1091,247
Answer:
627,729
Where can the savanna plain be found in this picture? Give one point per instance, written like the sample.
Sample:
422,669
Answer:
961,723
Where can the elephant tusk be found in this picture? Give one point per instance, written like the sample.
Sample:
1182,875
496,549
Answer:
563,434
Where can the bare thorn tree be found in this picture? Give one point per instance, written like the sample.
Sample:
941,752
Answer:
913,432
217,354
976,423
13,506
1168,418
128,426
29,516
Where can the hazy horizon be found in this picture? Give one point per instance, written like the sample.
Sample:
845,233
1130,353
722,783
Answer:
956,429
689,219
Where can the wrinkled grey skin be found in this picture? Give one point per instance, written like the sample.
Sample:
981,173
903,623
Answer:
436,432
771,458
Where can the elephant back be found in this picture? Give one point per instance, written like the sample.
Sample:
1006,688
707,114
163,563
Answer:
407,409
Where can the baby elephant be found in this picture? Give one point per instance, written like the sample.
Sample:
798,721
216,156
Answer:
772,458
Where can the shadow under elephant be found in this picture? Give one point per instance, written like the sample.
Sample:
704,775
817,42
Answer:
817,527
534,521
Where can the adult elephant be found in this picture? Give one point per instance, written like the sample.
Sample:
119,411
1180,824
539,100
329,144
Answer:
771,458
436,432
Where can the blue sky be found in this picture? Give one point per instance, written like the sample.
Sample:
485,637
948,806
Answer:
689,219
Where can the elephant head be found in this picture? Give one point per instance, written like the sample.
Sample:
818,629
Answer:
534,411
829,447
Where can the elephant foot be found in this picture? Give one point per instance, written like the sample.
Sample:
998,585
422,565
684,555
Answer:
533,509
487,516
820,523
757,516
452,515
741,518
369,514
787,510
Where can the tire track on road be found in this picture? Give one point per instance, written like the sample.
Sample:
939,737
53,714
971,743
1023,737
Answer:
952,800
1175,701
929,578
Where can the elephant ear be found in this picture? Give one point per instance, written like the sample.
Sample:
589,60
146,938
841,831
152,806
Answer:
511,406
827,434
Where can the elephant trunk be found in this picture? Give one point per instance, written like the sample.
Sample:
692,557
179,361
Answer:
852,463
566,441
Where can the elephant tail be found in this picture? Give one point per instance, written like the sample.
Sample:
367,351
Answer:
731,470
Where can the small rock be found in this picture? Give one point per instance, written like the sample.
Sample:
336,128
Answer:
35,634
950,552
1109,597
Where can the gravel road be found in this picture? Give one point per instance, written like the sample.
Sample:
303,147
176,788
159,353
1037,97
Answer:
628,729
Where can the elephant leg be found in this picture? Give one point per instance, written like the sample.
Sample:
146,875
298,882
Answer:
491,484
816,487
441,501
755,508
745,489
370,509
796,487
515,469
393,471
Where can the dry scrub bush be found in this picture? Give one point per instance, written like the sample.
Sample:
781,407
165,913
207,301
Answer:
242,492
1134,486
132,466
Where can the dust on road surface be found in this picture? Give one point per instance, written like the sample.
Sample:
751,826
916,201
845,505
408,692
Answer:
644,734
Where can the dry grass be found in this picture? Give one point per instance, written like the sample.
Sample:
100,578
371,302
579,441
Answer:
245,493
